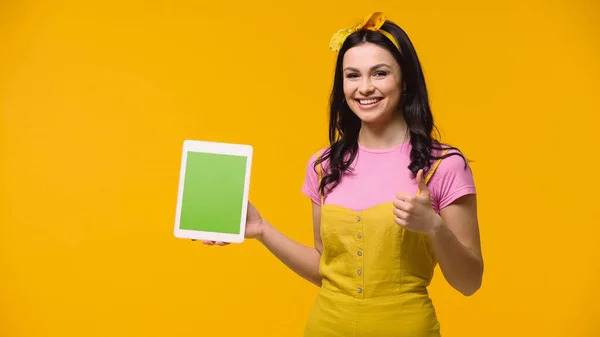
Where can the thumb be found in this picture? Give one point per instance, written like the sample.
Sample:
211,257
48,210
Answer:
421,183
252,213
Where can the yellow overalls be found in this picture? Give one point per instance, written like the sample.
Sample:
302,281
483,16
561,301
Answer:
375,276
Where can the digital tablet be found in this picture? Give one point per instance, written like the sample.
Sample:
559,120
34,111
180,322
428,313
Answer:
213,191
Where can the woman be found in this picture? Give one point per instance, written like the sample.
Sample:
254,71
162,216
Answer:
389,202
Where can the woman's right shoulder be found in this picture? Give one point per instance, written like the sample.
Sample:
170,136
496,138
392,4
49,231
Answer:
316,155
312,179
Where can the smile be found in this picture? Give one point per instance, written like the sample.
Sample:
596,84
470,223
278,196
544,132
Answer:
369,101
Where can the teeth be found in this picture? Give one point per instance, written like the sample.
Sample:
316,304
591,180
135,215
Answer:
369,101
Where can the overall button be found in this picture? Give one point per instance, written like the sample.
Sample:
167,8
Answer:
357,218
359,253
359,236
359,272
359,290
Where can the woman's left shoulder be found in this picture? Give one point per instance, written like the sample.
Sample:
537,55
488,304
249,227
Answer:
452,179
453,160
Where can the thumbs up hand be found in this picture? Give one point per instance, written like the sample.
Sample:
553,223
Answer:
415,212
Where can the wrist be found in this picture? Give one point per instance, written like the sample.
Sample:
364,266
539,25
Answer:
263,228
437,226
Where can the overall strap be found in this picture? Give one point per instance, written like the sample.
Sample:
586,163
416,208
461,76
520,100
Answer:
434,167
319,173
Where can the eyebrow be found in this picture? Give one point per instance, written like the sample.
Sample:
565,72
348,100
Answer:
380,65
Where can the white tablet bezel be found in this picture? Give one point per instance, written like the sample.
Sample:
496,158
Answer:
216,148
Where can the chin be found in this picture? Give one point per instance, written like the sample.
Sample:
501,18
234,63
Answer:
373,116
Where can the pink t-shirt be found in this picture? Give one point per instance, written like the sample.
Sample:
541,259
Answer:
379,174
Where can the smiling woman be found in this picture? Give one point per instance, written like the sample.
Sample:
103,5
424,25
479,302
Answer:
382,220
372,90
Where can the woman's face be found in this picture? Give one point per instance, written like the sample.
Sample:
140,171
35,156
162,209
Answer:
372,82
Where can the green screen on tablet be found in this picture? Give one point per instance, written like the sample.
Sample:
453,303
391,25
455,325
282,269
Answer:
213,192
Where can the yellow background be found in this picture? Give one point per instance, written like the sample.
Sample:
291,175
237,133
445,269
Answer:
96,98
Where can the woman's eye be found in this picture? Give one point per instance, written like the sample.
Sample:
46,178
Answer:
380,73
352,75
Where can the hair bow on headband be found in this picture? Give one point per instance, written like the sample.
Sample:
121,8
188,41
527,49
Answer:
373,22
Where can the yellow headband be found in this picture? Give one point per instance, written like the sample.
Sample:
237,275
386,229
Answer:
372,22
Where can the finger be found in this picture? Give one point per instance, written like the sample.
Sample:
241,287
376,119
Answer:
221,243
421,183
404,196
208,242
402,206
398,203
401,222
400,214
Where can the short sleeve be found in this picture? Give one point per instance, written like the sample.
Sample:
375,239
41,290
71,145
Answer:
310,187
452,180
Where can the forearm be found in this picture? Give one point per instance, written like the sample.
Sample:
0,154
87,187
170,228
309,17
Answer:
301,259
461,267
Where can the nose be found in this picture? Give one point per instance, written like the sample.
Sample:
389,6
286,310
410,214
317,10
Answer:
366,88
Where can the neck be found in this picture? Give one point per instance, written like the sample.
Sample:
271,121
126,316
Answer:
383,135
